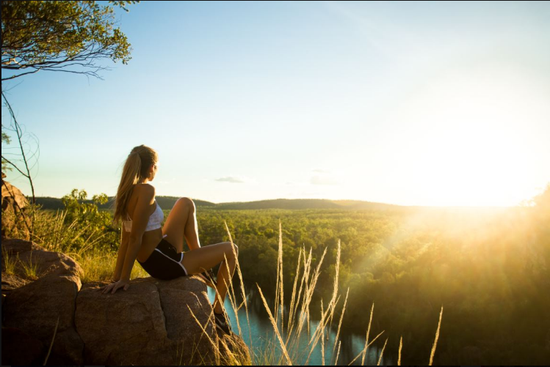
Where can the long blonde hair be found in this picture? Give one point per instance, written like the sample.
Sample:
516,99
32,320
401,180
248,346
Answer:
136,167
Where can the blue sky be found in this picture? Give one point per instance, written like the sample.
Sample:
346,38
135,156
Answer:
411,103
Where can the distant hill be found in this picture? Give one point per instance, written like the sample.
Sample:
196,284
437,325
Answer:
167,202
49,203
280,204
292,204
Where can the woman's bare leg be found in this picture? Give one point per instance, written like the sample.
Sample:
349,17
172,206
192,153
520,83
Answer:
182,223
197,261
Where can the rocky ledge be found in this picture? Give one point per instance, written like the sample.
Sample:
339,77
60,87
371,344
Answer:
55,318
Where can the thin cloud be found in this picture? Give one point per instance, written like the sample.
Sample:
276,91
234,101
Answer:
230,179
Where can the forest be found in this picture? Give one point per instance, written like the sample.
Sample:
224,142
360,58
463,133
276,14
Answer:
488,268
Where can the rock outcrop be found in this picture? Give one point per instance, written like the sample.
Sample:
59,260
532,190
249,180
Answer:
42,307
154,322
14,204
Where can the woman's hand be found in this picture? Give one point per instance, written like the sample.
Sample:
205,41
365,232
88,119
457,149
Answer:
113,287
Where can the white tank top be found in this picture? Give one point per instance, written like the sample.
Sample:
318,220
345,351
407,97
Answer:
155,221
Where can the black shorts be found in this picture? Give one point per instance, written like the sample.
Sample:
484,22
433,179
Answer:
165,262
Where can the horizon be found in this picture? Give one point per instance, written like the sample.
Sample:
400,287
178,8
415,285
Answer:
438,104
322,199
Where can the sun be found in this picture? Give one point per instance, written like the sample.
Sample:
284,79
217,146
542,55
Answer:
471,139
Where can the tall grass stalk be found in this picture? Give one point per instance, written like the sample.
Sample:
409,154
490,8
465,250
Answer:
279,289
336,274
335,296
337,353
434,346
280,257
308,295
399,353
340,323
243,293
216,347
232,298
322,338
364,349
306,291
367,337
275,328
319,331
51,344
303,287
382,352
293,296
311,287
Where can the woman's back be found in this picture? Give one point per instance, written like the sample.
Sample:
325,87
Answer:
139,209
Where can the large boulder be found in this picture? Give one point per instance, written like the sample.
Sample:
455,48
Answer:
12,196
151,323
154,322
43,308
33,261
20,348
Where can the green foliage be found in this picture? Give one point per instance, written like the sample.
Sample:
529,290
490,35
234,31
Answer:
88,221
60,35
5,140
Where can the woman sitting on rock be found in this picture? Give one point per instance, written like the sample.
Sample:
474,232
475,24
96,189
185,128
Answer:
159,250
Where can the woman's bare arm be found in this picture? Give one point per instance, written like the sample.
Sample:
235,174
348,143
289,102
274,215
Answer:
124,237
140,217
146,198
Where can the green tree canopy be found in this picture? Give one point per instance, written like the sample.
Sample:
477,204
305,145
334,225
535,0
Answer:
69,36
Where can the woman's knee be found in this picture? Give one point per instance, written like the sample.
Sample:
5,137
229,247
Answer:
186,203
231,249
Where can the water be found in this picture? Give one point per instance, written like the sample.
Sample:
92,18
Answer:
263,343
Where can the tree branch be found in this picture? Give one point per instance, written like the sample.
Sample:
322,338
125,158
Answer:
19,134
15,166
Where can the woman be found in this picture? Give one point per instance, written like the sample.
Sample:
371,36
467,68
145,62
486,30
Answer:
159,250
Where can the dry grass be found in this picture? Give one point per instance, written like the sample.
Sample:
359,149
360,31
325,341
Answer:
434,346
99,266
30,268
53,234
287,332
362,352
51,344
275,328
9,263
14,266
382,352
367,337
214,344
399,353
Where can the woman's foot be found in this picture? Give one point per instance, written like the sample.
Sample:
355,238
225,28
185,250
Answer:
221,323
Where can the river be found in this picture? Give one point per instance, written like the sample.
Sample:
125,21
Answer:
263,343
